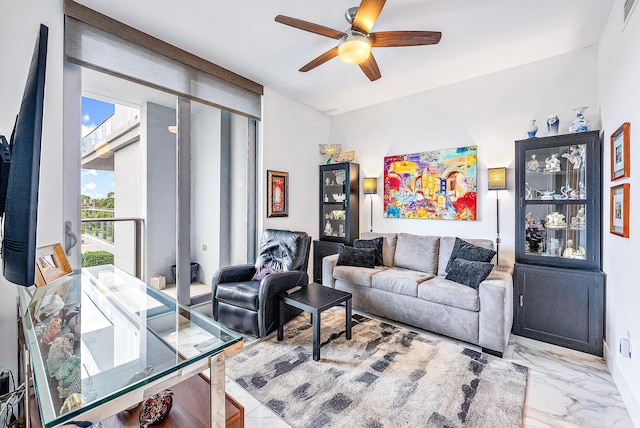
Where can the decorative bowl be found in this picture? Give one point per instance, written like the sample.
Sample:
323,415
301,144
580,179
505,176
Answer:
339,197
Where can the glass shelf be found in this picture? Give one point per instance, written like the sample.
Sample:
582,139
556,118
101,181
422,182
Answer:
130,336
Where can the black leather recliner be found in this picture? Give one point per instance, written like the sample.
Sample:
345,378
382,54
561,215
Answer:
249,306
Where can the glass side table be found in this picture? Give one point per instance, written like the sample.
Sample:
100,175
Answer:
120,342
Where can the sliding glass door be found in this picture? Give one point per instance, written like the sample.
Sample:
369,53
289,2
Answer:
167,184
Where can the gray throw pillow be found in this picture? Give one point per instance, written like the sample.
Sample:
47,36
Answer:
375,243
360,257
468,272
467,251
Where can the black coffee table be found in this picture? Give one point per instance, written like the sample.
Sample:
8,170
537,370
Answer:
315,298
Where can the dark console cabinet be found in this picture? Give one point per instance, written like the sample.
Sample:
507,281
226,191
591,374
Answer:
560,306
559,285
322,249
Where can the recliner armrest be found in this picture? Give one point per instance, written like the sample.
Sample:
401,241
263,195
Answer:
280,282
235,273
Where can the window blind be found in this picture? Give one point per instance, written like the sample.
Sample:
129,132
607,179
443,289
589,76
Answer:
101,43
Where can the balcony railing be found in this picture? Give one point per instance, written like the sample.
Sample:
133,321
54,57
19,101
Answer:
120,236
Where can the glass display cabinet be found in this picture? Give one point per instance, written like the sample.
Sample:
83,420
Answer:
559,285
339,202
559,192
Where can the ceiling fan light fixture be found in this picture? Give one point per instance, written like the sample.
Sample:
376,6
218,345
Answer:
354,48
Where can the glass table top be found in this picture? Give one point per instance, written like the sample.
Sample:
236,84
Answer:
99,333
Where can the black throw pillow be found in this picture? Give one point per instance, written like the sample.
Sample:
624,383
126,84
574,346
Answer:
467,251
375,243
360,257
468,272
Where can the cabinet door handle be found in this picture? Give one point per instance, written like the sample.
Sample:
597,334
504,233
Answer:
521,300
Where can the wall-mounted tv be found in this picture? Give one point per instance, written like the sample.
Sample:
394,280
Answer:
21,207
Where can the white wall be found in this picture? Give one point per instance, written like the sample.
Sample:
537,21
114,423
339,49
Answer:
619,92
489,111
205,189
239,187
159,200
127,188
291,133
20,25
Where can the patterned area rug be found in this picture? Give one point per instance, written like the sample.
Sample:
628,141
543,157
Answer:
385,376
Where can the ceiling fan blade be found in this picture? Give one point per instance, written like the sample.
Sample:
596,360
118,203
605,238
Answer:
387,39
310,27
367,15
370,68
330,54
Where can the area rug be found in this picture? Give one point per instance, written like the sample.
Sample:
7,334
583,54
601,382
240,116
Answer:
385,376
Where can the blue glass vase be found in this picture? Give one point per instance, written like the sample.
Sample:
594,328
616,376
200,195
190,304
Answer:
532,129
580,124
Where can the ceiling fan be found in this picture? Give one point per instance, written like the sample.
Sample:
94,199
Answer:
355,43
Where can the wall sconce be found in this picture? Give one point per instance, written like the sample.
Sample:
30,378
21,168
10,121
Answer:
497,180
370,186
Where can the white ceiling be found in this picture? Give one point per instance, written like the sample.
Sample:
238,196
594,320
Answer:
479,37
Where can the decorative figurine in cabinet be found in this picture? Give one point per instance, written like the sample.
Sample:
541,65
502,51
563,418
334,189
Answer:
339,202
559,285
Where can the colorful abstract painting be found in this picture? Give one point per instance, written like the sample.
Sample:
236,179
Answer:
437,185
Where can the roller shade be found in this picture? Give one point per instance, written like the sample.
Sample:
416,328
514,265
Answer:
154,63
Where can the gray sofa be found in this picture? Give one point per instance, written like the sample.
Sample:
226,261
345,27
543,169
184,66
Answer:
411,288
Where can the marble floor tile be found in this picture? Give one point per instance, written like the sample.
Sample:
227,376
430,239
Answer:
263,417
568,388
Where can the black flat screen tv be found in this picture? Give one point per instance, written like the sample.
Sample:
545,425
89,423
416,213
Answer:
21,206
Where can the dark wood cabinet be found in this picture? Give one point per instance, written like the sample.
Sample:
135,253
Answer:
339,202
321,249
560,306
559,285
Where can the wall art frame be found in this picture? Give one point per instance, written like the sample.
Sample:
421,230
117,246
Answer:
434,185
277,194
620,153
619,210
51,264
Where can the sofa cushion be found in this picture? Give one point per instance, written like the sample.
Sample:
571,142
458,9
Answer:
375,243
400,281
446,292
447,244
356,275
469,273
468,250
388,245
360,257
417,252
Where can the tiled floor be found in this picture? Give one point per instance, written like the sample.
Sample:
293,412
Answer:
566,388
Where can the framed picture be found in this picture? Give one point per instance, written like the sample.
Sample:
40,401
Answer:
620,160
619,224
434,185
51,264
277,194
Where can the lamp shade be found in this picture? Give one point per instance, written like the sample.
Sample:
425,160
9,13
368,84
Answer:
497,178
370,185
354,48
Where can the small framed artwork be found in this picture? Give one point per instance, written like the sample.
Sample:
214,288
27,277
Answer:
51,264
277,194
620,160
619,224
